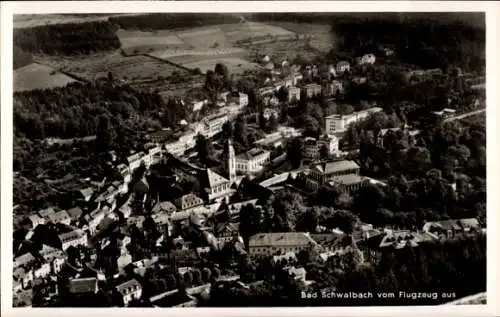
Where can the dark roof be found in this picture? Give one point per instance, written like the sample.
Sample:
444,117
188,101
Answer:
75,212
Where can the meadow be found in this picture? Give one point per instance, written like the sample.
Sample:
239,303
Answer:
38,76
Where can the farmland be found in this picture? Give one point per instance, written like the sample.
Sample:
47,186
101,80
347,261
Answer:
38,76
283,50
321,35
130,69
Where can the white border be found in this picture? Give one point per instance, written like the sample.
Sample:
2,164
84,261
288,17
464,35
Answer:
37,7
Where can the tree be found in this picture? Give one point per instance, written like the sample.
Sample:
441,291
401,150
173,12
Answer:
188,278
250,219
295,152
241,132
222,70
204,149
105,134
272,123
197,280
227,130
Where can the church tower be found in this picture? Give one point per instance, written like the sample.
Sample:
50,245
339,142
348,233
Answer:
231,162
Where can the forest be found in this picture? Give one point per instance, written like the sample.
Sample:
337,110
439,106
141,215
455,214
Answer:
159,21
68,39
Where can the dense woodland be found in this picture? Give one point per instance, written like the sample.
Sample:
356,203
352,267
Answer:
167,21
68,38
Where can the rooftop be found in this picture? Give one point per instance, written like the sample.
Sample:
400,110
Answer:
350,179
83,285
253,153
332,167
281,239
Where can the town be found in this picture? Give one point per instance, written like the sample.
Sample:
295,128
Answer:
310,181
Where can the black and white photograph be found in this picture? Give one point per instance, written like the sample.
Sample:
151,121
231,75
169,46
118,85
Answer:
248,159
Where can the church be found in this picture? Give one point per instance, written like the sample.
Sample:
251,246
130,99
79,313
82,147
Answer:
214,186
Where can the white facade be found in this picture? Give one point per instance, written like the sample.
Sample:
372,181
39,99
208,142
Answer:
367,59
293,94
339,123
252,161
73,238
130,290
342,67
43,271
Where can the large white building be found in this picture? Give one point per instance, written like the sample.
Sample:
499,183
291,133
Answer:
268,244
336,123
312,146
252,161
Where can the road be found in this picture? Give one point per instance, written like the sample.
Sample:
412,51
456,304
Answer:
465,115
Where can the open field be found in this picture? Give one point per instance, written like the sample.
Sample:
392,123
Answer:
283,50
33,20
139,42
130,69
211,37
38,76
322,37
239,32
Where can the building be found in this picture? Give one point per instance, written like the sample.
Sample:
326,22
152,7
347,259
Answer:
271,112
60,217
367,59
342,66
325,172
160,136
214,185
349,183
277,139
35,220
83,286
73,238
24,260
252,161
230,162
268,244
75,213
50,253
188,202
312,146
129,291
311,90
238,98
339,123
293,94
134,161
452,227
445,113
334,87
212,124
42,271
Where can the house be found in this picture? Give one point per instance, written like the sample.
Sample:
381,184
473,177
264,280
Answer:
226,232
130,290
134,160
293,94
278,138
330,241
75,213
95,218
199,104
160,136
188,202
367,59
267,244
252,161
24,260
212,124
334,87
214,185
324,172
238,98
162,221
35,220
86,193
58,263
339,123
174,299
50,253
23,276
73,238
46,213
445,113
342,66
60,217
299,274
83,286
399,239
42,271
271,112
348,183
311,90
452,227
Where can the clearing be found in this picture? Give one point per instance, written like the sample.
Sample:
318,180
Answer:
139,42
38,76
